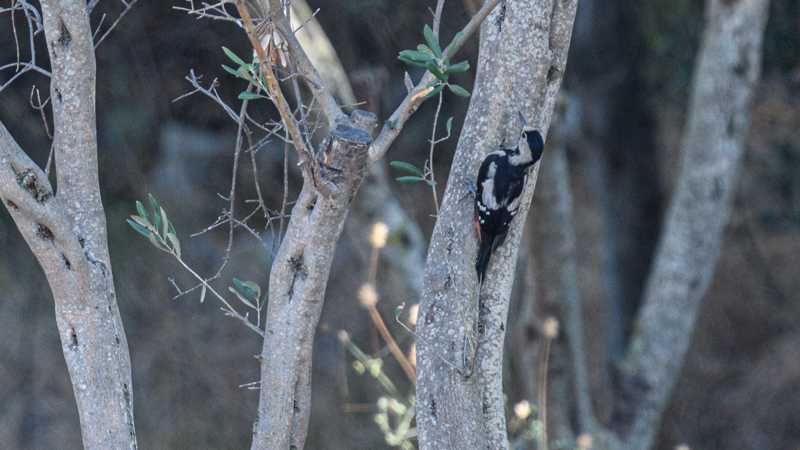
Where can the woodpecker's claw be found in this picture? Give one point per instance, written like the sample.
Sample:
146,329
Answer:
471,190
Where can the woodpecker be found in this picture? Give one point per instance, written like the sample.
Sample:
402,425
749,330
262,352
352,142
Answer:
501,180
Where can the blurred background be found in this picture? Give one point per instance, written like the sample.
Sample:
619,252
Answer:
629,72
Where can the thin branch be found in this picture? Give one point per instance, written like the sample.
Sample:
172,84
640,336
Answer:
416,96
128,7
274,89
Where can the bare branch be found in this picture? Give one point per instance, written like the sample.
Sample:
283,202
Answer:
128,7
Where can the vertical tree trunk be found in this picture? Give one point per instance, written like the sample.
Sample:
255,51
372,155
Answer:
297,286
522,58
727,69
67,233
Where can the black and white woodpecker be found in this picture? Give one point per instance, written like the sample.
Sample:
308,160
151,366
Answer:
501,180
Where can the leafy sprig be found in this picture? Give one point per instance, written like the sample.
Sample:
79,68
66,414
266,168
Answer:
431,57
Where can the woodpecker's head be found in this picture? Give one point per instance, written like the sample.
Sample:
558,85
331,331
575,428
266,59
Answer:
531,144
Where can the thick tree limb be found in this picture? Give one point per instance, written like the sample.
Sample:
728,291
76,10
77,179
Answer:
523,55
67,234
727,69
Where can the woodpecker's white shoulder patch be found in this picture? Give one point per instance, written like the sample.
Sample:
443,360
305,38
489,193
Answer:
488,198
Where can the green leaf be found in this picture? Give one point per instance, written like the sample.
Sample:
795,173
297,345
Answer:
241,297
430,182
434,69
250,96
172,229
153,204
458,90
453,44
176,244
140,228
406,166
141,210
413,55
233,71
435,91
233,57
460,67
203,294
390,124
449,125
253,287
156,217
432,42
411,62
424,48
410,179
158,243
247,288
144,223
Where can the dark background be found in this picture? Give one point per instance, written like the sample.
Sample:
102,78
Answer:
630,65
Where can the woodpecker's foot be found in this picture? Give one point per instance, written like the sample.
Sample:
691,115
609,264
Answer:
471,189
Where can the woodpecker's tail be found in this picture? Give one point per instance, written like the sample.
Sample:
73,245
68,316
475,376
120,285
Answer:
484,253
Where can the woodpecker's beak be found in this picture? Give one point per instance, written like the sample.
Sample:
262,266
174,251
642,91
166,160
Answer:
522,119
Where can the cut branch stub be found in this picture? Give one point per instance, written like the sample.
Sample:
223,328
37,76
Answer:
343,157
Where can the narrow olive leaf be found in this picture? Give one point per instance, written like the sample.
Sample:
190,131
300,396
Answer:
153,204
233,56
158,243
390,124
203,294
453,44
434,69
241,297
406,166
253,287
141,210
449,125
411,62
458,90
410,179
460,67
399,310
245,287
431,182
247,73
432,42
176,244
144,223
172,229
435,91
250,96
232,71
165,229
417,56
140,228
424,48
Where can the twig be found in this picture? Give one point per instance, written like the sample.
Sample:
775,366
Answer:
128,7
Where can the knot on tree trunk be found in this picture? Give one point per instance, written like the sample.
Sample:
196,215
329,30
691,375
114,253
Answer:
342,158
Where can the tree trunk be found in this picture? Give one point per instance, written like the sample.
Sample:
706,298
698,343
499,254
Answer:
67,233
297,286
522,59
727,69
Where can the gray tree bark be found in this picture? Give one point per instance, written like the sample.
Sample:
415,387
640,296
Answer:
727,69
67,233
301,267
522,59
